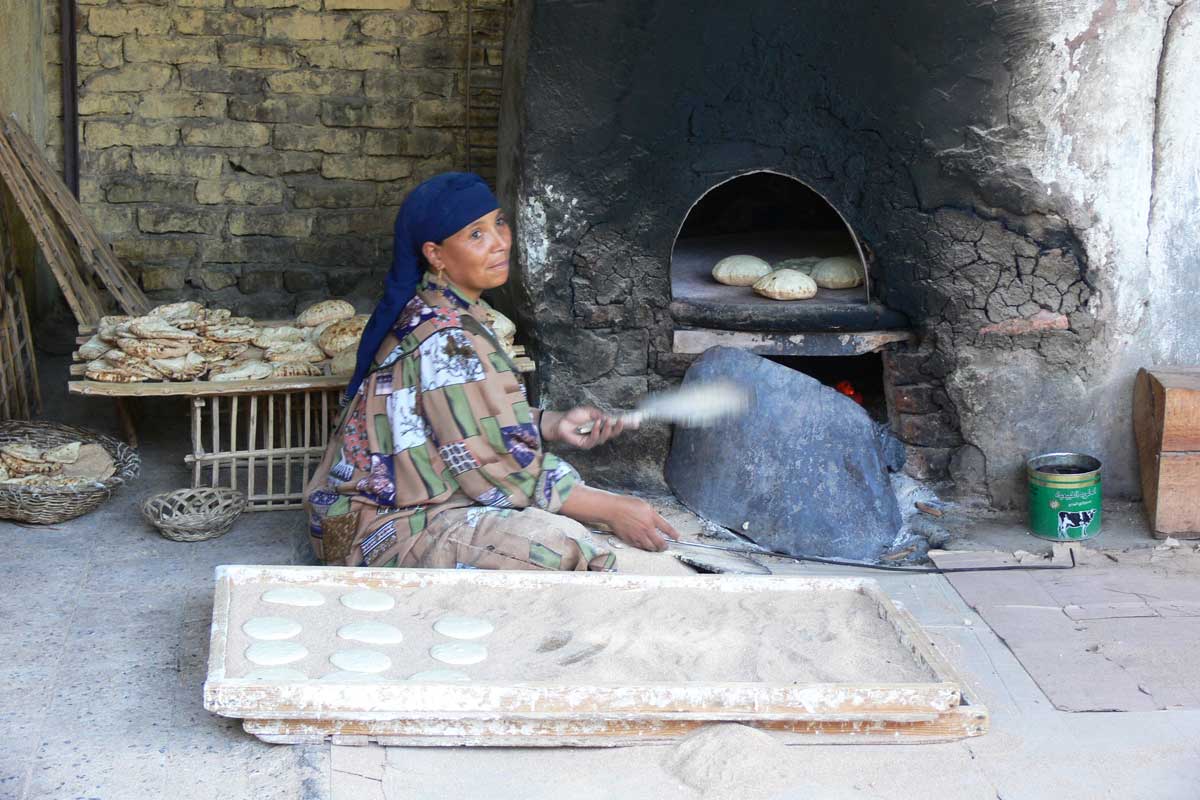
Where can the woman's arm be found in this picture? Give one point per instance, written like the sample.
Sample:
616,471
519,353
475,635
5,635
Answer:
560,426
633,520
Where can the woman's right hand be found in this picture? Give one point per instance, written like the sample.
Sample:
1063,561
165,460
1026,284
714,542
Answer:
635,522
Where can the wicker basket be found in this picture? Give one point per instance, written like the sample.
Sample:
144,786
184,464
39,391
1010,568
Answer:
49,504
193,515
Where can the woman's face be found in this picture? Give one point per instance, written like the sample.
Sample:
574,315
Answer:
476,257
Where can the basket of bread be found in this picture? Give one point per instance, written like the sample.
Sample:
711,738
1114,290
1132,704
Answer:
187,342
51,472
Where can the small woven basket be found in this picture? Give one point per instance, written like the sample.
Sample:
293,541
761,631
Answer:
45,505
193,515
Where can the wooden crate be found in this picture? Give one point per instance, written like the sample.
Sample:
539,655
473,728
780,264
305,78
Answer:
265,444
1166,418
533,713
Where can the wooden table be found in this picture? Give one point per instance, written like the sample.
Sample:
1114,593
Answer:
262,437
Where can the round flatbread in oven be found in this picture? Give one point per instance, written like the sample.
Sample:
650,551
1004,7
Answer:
786,284
803,264
838,272
740,270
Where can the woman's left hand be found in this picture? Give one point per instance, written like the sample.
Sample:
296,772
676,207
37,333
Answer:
562,426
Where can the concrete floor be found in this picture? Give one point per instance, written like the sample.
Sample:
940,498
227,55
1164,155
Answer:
104,629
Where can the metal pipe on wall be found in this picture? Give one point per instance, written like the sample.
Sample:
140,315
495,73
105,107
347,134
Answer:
70,96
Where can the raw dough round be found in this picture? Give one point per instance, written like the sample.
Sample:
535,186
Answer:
271,628
459,653
463,627
368,600
371,632
293,596
839,272
360,661
803,264
740,270
272,654
786,284
276,675
441,676
352,677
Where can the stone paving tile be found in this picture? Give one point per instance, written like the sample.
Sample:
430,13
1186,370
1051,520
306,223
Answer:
349,786
66,768
366,761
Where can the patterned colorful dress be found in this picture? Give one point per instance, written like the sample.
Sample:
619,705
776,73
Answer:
438,459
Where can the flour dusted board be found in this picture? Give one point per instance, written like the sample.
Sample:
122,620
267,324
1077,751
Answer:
583,659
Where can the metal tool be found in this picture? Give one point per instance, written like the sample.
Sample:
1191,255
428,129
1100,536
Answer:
692,406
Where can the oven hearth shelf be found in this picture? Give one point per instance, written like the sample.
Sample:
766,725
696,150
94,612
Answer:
694,341
701,302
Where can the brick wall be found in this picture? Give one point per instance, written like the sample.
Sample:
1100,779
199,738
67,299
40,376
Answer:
254,152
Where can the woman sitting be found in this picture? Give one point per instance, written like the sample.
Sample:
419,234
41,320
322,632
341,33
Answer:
438,460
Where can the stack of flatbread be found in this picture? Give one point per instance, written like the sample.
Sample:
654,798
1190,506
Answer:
70,464
186,341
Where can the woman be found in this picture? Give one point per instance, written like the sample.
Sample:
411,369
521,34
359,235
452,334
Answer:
438,460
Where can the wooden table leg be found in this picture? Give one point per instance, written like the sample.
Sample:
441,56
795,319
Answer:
125,418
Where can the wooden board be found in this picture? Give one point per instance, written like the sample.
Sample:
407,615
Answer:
1166,418
563,714
94,252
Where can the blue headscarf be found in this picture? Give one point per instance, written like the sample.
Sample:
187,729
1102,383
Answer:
438,208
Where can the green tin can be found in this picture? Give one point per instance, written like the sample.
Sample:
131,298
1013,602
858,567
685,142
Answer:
1064,496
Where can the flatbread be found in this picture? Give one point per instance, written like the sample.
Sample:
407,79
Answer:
63,454
296,369
839,272
245,371
220,351
184,368
342,334
786,284
370,632
92,349
278,335
231,332
22,466
740,270
107,371
157,328
325,311
345,362
154,348
457,627
94,463
274,654
357,660
459,653
295,351
186,310
803,264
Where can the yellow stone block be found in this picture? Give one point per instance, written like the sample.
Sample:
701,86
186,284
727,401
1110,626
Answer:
247,191
256,56
372,5
316,137
113,134
109,104
182,104
227,134
365,168
178,50
271,223
315,82
147,21
305,26
177,161
131,78
307,5
349,56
